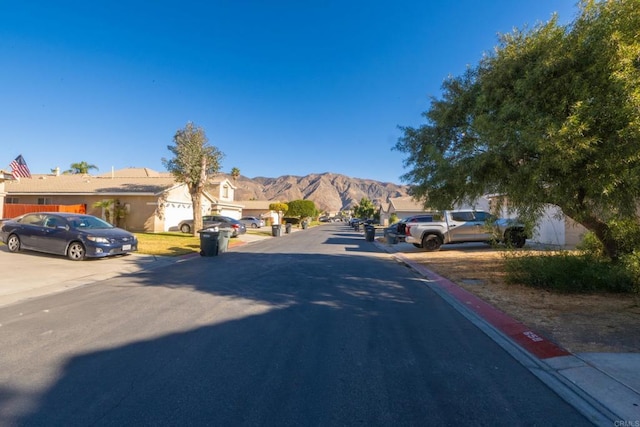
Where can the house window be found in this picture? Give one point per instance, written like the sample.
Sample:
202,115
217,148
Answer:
11,200
225,191
44,201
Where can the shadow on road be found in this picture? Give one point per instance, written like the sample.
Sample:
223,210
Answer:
282,338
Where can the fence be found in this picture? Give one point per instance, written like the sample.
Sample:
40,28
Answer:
14,210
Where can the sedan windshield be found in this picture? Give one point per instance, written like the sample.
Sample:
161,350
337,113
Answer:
88,222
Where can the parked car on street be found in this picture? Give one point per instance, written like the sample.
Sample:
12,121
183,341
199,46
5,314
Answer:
76,236
221,221
252,221
430,231
395,232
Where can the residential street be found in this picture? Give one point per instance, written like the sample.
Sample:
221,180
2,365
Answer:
314,328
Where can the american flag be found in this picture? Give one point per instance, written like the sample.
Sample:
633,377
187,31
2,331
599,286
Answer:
19,168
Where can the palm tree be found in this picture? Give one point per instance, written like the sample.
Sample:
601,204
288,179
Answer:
106,208
235,173
81,168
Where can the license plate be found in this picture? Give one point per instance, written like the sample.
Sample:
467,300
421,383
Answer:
126,247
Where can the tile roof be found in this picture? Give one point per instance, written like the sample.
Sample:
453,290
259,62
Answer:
88,184
256,204
134,173
406,204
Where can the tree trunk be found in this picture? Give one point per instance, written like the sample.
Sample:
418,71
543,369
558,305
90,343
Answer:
196,190
603,233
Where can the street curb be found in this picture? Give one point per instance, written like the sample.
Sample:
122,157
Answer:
539,355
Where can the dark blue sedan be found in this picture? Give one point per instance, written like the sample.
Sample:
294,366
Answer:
76,236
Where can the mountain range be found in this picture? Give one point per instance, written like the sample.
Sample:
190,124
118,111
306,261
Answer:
329,191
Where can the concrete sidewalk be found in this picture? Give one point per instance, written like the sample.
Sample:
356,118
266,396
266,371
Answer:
605,387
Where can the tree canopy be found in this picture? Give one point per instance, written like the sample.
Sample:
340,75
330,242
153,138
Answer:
302,208
80,168
235,173
364,209
194,161
551,117
280,208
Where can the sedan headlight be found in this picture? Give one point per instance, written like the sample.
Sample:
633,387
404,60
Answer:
98,239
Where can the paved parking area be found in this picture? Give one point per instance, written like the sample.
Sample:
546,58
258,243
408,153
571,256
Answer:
27,274
30,274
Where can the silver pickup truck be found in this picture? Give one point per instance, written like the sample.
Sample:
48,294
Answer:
432,230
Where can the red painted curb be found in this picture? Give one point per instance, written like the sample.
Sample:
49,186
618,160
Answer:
531,341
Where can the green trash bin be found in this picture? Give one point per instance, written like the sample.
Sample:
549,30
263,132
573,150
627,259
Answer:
209,242
223,239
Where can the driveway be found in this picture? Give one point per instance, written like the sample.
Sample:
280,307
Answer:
31,274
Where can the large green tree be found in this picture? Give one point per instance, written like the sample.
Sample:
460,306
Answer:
194,161
551,117
302,209
364,209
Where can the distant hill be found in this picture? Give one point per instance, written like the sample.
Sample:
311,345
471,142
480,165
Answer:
330,192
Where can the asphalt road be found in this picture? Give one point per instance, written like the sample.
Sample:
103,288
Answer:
314,328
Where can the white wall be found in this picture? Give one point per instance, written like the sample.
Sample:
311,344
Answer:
178,207
550,229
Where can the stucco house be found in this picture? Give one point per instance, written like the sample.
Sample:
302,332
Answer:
142,199
402,207
259,209
4,176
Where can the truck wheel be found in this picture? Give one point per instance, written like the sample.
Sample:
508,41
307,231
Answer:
431,243
516,238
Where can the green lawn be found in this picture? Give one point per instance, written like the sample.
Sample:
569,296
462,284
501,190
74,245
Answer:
176,244
167,244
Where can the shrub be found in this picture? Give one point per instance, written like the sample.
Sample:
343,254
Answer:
631,263
572,273
591,245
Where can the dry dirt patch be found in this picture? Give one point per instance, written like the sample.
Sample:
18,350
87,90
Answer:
579,323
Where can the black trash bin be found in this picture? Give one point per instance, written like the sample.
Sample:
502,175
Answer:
369,233
223,239
287,228
209,242
276,230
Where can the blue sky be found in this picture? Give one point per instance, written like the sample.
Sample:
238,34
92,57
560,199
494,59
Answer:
280,87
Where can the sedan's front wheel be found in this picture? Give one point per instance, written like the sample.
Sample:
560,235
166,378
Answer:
13,243
76,251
